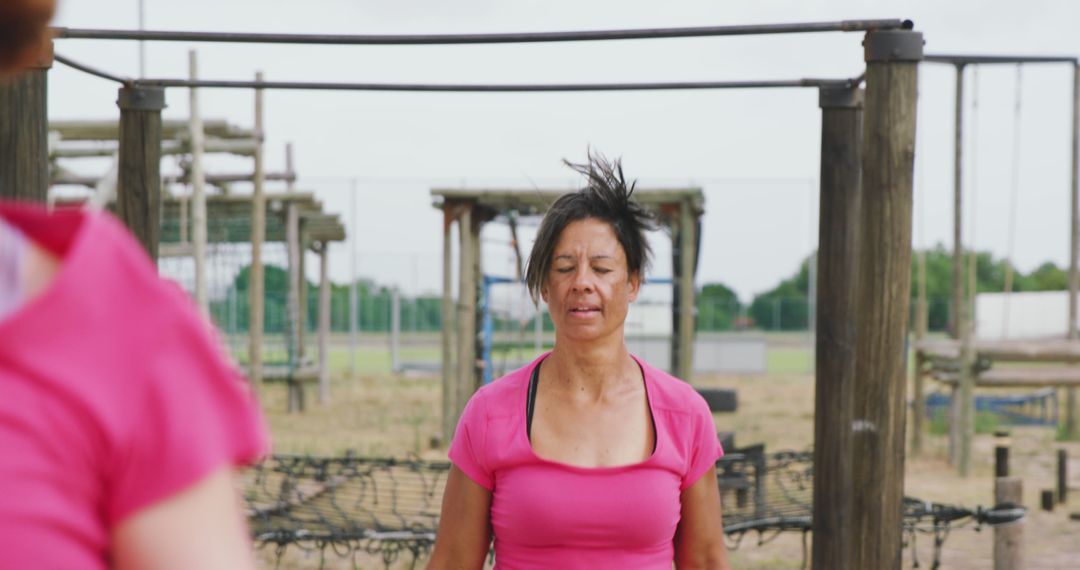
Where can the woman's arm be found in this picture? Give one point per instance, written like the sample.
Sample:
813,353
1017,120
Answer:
464,525
201,527
699,539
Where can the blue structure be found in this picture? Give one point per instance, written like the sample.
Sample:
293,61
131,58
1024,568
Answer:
1035,409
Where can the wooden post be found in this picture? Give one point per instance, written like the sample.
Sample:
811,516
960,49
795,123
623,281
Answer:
1062,476
1008,539
466,313
1072,426
1001,461
395,330
449,386
302,294
687,306
956,314
1046,500
24,132
324,323
256,283
198,190
882,296
138,186
838,235
292,237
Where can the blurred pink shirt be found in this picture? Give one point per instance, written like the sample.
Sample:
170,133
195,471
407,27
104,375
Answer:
547,514
114,397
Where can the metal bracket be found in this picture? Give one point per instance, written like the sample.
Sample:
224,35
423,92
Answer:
831,97
893,45
140,98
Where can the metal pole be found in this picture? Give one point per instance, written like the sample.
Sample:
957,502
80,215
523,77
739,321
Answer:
198,190
882,297
958,311
838,234
256,283
24,133
395,330
514,37
142,43
138,186
1072,426
353,366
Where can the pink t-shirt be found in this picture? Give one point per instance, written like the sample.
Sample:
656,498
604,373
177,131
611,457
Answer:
112,396
547,514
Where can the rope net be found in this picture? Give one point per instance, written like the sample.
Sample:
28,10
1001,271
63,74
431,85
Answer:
386,510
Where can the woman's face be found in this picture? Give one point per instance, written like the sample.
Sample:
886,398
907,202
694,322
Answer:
588,288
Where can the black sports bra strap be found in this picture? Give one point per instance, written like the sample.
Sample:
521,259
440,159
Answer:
530,400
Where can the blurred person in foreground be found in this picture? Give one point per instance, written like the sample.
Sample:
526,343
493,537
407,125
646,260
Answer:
589,457
120,419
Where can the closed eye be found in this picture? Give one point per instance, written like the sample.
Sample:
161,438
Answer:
564,269
601,270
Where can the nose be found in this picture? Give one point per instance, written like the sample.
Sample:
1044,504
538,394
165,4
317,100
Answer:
583,281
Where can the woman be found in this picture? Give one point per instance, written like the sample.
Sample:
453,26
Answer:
588,457
120,419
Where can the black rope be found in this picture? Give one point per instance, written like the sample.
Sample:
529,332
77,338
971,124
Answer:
387,509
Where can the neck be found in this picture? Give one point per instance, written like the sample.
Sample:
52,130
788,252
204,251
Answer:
594,368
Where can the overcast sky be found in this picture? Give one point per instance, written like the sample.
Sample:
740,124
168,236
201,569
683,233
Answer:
755,153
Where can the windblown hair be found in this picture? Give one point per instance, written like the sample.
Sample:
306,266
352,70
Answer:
605,197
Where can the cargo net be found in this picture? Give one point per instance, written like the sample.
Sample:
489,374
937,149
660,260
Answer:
385,511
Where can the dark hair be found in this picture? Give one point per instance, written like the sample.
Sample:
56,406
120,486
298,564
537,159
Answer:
605,197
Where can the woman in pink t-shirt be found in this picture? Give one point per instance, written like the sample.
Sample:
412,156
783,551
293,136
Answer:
588,457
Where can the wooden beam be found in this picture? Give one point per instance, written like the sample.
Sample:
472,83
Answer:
292,229
1006,351
834,389
1058,376
198,191
687,306
24,137
449,391
466,313
324,323
138,186
1072,413
882,297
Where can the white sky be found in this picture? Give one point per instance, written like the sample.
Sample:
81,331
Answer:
755,153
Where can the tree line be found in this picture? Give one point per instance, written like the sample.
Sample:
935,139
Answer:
784,307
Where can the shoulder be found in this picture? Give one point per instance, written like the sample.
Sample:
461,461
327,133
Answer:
502,396
672,394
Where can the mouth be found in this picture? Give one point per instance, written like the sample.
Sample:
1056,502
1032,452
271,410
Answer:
584,311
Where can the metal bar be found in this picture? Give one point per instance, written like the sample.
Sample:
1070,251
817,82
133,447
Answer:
495,38
495,88
954,59
91,70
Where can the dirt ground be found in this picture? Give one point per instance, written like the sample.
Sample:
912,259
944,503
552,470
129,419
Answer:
396,415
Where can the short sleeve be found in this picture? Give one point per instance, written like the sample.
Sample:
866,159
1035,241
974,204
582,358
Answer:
468,450
705,446
193,414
